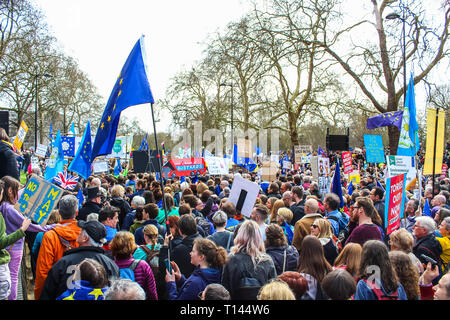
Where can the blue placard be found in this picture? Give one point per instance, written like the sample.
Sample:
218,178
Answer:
374,148
68,144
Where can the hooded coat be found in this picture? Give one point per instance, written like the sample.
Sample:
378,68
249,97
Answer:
196,283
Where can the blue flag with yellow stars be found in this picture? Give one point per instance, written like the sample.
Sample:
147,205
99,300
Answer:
83,290
81,164
68,144
131,88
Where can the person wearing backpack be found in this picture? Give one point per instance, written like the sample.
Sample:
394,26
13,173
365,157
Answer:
339,220
150,253
122,247
377,277
54,243
221,237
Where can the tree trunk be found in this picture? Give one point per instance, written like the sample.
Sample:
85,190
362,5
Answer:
394,135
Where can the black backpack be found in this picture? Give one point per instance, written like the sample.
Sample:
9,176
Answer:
152,258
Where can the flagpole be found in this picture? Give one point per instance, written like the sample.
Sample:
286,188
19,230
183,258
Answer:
434,149
161,180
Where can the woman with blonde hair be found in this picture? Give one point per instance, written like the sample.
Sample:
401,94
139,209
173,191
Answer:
349,259
248,267
283,219
274,211
122,247
321,228
406,273
276,290
270,202
402,240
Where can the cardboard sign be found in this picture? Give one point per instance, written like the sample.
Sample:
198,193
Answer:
397,165
374,148
100,166
315,166
20,136
269,171
243,194
38,199
347,162
394,202
244,148
324,183
41,150
216,165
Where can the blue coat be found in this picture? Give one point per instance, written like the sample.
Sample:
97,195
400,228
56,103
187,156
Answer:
364,292
196,283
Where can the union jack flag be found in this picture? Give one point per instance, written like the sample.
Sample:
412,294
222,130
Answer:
65,180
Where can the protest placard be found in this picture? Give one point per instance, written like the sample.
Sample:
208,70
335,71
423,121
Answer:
324,183
323,165
243,194
347,162
269,171
244,148
401,164
41,150
394,202
216,165
34,163
275,158
100,166
121,147
444,171
374,148
20,136
38,199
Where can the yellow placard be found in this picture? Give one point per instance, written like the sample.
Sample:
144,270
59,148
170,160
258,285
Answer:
439,154
20,136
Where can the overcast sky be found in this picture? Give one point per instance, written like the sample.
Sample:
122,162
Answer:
100,34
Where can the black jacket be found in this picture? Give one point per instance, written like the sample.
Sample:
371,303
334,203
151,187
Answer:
180,254
277,255
298,210
56,282
124,207
240,266
88,208
8,161
428,246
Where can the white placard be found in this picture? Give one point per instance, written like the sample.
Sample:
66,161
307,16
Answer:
41,150
100,166
35,163
243,194
216,165
274,158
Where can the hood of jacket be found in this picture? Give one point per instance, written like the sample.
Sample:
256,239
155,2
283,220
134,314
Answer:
68,229
209,275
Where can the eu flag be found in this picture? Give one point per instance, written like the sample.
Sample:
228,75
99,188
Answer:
386,119
68,144
144,144
131,88
117,168
337,187
81,164
56,161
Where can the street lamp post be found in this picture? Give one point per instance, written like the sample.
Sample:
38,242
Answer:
232,107
36,105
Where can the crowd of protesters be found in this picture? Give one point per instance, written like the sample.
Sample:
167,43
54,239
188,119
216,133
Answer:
134,238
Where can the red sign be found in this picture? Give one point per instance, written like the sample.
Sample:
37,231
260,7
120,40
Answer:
184,167
395,194
347,162
444,171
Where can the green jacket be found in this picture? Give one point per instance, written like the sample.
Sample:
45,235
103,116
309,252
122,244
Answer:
7,240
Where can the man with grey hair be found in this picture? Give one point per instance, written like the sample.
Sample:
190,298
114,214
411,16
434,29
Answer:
57,241
90,240
438,202
137,201
223,184
125,289
426,243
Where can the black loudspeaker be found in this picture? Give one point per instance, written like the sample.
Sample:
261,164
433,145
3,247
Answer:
337,142
145,161
4,120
